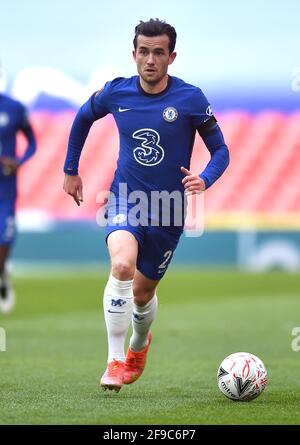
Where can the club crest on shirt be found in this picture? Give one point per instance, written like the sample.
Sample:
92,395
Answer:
4,119
170,114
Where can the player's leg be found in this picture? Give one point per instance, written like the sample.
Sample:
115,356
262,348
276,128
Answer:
4,254
7,234
144,310
117,303
144,313
152,264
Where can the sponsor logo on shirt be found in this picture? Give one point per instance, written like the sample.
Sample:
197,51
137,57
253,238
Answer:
149,153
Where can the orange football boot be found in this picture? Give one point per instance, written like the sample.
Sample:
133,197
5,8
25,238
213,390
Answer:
112,379
135,363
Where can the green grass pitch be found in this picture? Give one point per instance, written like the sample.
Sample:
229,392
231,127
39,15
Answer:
56,351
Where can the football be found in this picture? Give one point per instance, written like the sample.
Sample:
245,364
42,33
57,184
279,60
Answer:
242,376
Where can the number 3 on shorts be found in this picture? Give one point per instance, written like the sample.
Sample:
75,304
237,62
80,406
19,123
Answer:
167,255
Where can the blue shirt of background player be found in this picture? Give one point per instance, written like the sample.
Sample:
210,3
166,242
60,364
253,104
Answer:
13,118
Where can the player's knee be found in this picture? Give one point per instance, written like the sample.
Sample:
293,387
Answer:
142,296
123,269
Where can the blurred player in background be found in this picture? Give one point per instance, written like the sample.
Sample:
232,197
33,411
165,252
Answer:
13,118
157,117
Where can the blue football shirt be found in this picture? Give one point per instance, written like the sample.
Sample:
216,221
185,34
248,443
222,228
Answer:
13,117
156,131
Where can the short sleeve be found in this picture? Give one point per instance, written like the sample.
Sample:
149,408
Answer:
200,109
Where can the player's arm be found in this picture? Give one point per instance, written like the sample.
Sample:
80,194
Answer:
27,130
10,165
213,138
86,116
73,186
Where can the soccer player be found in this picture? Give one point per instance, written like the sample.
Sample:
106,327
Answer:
157,116
13,118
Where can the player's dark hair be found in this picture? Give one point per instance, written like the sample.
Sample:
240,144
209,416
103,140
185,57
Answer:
155,27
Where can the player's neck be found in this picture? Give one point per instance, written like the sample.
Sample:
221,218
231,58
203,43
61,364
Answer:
157,88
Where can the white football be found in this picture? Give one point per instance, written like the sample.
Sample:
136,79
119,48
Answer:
242,376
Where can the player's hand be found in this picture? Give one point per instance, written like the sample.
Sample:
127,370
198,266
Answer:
73,186
9,165
192,182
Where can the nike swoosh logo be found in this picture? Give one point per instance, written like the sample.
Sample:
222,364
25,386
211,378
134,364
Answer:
115,312
123,109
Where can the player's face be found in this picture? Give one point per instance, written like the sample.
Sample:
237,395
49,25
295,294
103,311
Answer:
152,58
